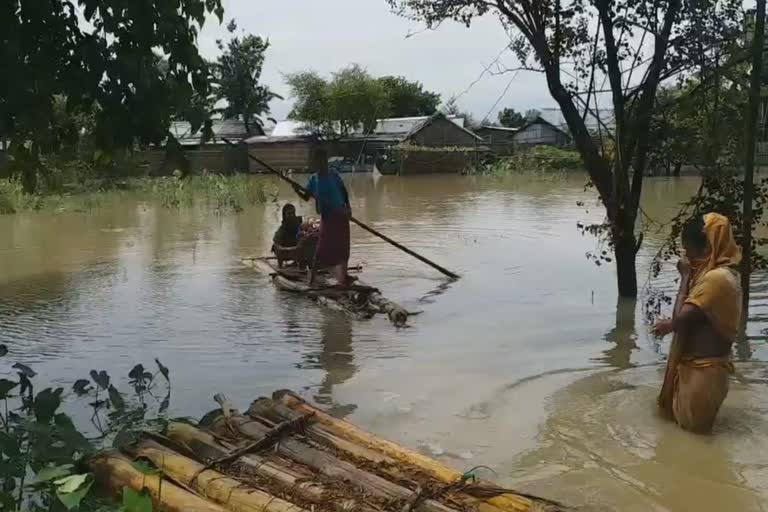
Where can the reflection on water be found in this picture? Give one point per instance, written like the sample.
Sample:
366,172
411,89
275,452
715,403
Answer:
528,364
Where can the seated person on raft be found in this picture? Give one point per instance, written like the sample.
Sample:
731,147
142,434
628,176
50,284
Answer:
293,240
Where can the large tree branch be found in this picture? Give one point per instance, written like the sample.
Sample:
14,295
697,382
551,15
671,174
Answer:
645,105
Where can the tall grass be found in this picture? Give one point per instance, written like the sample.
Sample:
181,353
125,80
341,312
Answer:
223,194
13,199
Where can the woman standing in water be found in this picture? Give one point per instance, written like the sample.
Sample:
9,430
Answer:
332,203
705,321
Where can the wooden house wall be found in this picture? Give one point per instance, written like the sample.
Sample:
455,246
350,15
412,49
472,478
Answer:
209,157
541,134
442,132
283,155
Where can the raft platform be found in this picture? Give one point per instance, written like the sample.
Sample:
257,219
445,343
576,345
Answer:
285,455
359,301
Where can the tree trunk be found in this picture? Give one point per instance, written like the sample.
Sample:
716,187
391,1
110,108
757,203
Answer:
749,160
625,251
678,168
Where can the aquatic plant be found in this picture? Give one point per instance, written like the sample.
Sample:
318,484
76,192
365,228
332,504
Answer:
540,159
42,451
223,194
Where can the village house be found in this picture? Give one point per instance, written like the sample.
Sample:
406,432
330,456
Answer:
289,147
212,154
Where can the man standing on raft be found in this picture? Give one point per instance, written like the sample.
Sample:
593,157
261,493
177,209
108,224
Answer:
705,321
332,203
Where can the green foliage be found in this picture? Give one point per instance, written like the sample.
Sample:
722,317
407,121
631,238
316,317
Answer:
353,100
101,57
511,118
37,440
719,192
580,45
136,501
539,159
407,99
237,75
223,194
452,108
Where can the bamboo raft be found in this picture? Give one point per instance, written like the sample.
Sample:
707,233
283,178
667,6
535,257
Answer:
284,455
359,301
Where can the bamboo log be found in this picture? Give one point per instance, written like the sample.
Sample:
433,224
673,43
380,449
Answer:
329,465
290,477
216,486
114,472
439,471
276,412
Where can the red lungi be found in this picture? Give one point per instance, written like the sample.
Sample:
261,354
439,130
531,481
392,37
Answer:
333,246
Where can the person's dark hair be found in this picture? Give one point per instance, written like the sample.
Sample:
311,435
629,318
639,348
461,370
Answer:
286,207
693,233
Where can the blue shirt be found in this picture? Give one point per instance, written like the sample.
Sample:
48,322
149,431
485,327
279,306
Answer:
329,192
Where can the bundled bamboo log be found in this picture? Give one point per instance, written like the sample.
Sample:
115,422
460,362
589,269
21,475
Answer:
329,465
210,483
508,502
114,472
291,478
287,456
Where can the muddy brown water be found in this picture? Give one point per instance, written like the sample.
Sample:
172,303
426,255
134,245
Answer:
528,365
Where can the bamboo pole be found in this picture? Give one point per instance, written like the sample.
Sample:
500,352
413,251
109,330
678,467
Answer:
292,478
329,465
114,472
230,493
400,246
322,434
439,471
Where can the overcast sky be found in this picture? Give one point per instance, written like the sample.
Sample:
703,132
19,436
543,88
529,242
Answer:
325,35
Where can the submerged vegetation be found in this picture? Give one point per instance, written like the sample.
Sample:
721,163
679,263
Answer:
223,194
42,451
540,159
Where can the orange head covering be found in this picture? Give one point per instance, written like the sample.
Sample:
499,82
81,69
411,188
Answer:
714,283
722,250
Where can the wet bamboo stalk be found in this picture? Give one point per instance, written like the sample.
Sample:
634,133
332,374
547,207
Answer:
207,448
114,472
329,465
441,472
230,493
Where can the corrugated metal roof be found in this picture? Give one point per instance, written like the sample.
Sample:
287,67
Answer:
601,118
389,126
222,128
499,128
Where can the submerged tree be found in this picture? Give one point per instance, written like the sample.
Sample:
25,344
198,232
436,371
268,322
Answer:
237,75
99,55
636,45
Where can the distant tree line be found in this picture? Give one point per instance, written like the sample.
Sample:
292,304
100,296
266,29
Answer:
352,98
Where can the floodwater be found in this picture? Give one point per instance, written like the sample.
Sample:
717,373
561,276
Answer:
528,365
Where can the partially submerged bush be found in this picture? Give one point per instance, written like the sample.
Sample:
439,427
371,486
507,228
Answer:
42,451
221,193
541,159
